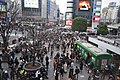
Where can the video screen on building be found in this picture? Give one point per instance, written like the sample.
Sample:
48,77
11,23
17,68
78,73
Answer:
84,5
31,3
3,8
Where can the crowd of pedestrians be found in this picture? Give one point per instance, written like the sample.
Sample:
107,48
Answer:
63,61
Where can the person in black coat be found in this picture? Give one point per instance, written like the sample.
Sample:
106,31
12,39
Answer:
0,64
16,62
77,72
71,73
81,66
5,75
47,62
62,71
12,73
56,74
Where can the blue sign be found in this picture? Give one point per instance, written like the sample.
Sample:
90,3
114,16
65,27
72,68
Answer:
48,7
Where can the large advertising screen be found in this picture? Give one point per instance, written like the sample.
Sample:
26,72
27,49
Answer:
84,5
31,3
3,7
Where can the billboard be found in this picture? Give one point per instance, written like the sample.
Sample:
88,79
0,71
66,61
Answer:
84,5
69,22
3,6
31,3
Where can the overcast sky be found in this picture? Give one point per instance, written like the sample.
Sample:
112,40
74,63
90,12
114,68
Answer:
63,4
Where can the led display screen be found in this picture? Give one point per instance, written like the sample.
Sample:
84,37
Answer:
3,8
84,5
31,3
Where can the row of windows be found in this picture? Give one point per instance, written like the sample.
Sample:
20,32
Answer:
29,13
86,17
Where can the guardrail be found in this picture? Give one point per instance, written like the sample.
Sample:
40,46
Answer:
106,40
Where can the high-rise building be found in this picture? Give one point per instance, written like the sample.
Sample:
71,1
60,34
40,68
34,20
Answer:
112,14
31,9
80,8
52,12
44,9
3,11
69,12
96,13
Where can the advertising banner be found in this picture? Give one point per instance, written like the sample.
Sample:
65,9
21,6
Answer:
31,3
84,5
3,6
69,22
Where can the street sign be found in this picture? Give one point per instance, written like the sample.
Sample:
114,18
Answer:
69,22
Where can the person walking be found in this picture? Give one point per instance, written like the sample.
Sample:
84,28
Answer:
37,75
51,54
81,66
71,73
12,75
56,74
77,72
0,64
5,75
65,67
61,72
47,62
16,62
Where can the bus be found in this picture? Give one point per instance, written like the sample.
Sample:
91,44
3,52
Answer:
93,54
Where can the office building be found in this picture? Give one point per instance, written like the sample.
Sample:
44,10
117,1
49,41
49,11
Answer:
96,13
69,12
112,14
80,8
52,12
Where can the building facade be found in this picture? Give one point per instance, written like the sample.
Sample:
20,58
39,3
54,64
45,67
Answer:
44,9
112,14
37,11
52,15
31,9
69,12
3,11
96,13
80,8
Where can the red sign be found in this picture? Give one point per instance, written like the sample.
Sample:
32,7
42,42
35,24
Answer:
68,22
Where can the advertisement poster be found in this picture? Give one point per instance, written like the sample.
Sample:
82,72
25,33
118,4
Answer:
31,3
3,7
84,5
68,22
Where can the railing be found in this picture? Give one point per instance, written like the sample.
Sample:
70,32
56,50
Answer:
106,40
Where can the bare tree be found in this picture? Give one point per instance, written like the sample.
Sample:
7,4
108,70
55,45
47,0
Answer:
9,25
